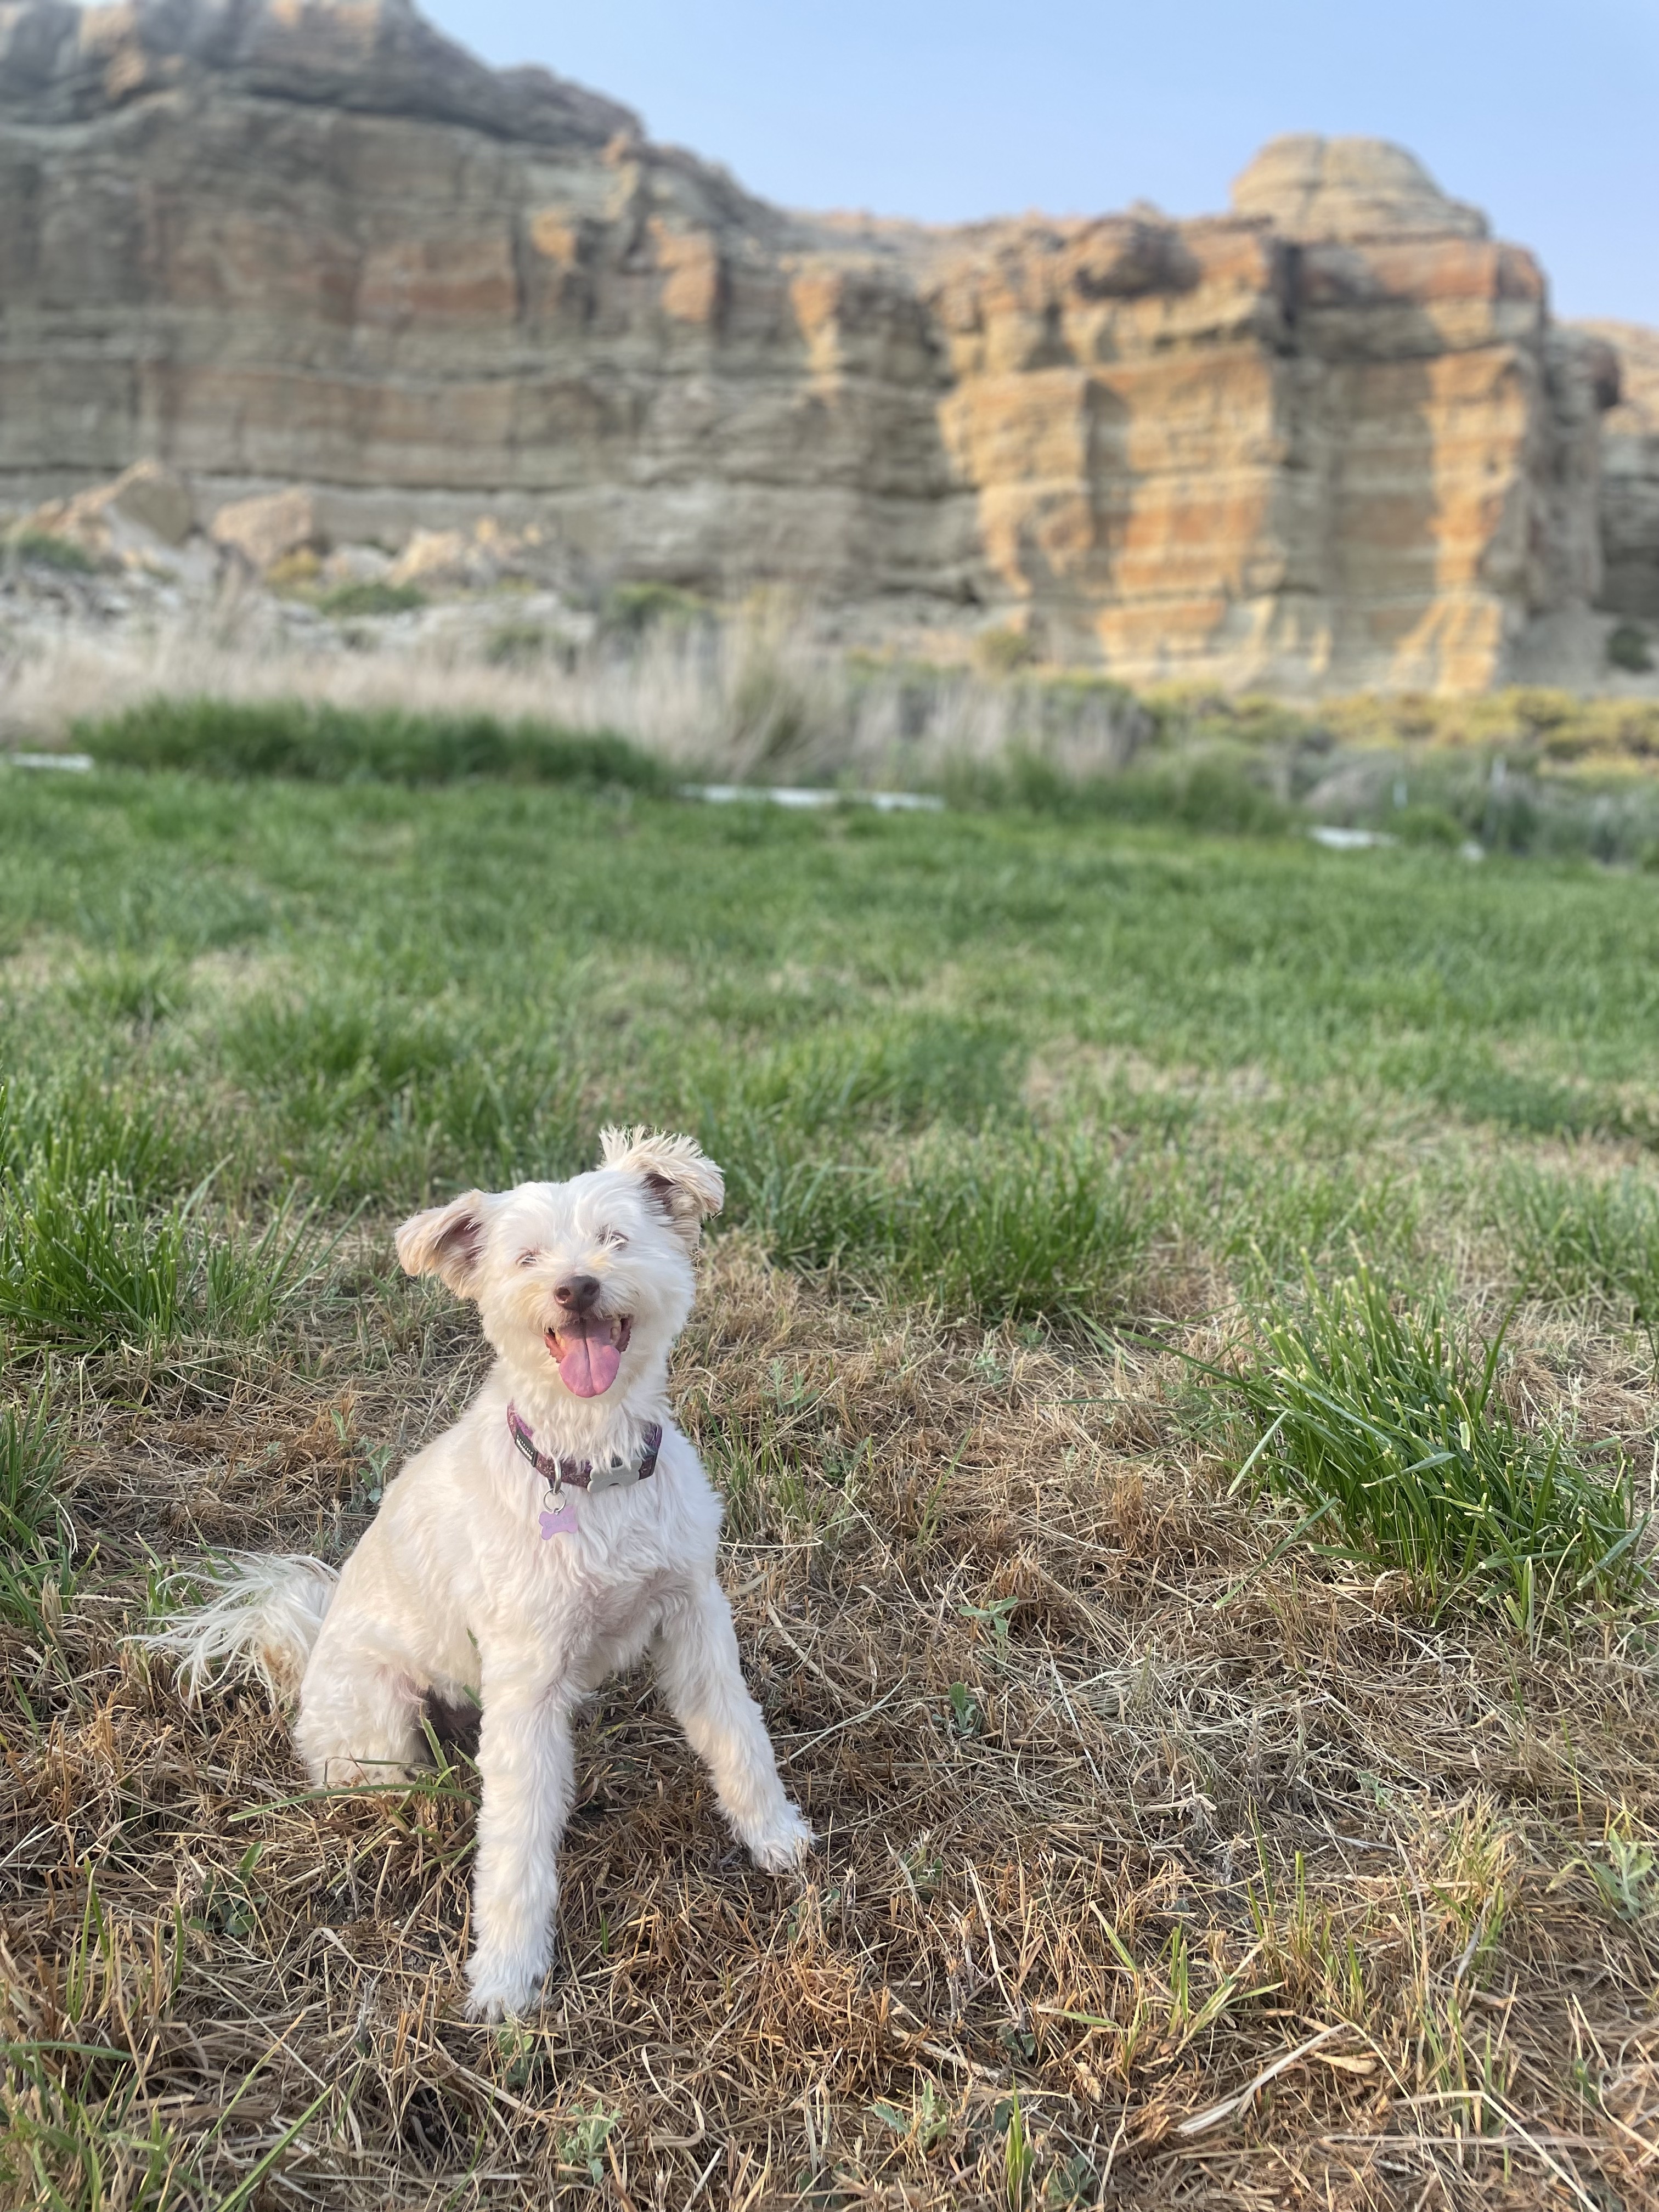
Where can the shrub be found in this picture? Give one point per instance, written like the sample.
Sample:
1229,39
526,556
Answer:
337,744
1427,825
365,597
41,548
1004,651
1211,793
295,572
631,609
1628,648
522,644
1388,1435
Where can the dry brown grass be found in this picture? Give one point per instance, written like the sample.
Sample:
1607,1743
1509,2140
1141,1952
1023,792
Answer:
1189,1817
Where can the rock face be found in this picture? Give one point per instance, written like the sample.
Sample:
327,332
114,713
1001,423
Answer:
1331,438
1630,471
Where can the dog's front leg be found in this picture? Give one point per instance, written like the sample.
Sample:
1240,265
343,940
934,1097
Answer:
702,1677
527,1768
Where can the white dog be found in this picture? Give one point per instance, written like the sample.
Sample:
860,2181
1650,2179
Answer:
562,1526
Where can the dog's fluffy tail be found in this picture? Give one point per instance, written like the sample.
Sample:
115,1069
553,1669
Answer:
260,1620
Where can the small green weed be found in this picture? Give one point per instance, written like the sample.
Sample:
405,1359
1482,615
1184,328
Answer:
1018,2155
1390,1436
582,2145
967,1718
1625,1880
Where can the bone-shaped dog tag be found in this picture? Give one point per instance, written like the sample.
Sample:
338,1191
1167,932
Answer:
617,1476
561,1522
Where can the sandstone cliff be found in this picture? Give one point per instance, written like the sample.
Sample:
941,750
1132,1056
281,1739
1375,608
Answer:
1332,438
1629,473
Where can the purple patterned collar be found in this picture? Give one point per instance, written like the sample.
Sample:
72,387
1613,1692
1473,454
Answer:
582,1474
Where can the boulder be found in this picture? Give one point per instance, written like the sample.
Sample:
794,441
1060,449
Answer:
145,514
270,527
439,560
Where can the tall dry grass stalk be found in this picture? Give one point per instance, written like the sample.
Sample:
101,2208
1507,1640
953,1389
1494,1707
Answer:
758,694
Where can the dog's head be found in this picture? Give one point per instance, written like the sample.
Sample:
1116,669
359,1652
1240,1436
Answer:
582,1285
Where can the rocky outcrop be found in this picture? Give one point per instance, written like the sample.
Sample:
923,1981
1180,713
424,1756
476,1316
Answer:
1629,470
1330,439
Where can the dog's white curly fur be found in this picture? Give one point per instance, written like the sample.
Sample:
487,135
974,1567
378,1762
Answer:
261,1621
452,1589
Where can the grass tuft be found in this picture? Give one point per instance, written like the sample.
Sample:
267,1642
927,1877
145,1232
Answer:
35,1550
1388,1434
320,744
86,1266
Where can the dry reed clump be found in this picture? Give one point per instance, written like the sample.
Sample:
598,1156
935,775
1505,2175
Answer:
756,694
1151,1874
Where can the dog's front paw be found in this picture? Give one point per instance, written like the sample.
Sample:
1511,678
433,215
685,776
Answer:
501,1988
783,1845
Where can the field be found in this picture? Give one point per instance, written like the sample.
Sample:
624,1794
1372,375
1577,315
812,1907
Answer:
1180,1358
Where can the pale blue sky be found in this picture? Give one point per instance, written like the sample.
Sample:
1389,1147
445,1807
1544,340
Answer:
1545,113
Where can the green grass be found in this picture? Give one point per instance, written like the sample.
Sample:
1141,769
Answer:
1115,1068
292,738
1387,1433
1000,1226
1017,1062
1576,1239
85,1267
34,1548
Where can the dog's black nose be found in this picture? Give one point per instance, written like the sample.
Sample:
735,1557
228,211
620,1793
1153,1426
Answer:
580,1293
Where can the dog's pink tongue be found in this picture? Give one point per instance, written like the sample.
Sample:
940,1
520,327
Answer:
588,1364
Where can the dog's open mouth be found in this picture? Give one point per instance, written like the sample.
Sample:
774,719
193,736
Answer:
589,1352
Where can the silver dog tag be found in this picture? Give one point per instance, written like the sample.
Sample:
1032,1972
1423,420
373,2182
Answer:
617,1476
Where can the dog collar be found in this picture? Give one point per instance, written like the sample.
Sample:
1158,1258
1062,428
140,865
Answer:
585,1474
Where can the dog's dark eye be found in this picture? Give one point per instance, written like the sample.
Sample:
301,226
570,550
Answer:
527,1259
611,1236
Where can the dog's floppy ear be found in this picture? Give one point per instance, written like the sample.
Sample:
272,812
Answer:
673,1170
445,1241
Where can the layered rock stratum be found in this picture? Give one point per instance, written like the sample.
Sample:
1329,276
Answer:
1331,438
